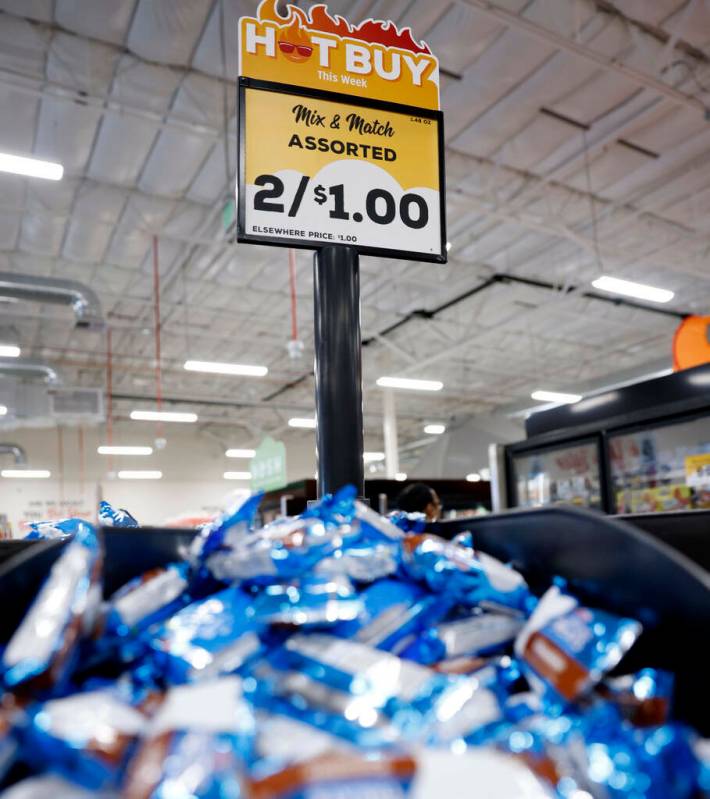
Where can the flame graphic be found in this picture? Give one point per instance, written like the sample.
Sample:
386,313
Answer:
372,31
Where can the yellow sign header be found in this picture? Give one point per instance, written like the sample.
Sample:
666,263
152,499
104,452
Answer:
313,49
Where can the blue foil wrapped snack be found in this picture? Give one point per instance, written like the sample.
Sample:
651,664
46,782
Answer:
476,635
42,651
198,745
467,576
115,517
644,698
394,612
86,737
60,528
567,648
147,600
309,601
423,705
207,638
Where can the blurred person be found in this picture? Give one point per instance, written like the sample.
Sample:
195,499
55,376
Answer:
420,498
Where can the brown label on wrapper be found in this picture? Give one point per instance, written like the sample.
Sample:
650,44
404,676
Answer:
332,768
568,676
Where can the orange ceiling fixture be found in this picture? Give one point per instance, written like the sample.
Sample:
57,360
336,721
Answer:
691,343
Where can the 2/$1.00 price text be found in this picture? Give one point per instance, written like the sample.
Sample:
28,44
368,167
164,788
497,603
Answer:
380,205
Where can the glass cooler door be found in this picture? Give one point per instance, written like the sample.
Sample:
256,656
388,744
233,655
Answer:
662,468
565,475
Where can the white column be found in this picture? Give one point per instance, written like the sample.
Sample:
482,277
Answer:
390,434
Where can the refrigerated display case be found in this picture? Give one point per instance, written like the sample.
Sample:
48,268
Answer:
637,449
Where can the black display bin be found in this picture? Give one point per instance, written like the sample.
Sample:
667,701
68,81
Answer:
608,564
687,531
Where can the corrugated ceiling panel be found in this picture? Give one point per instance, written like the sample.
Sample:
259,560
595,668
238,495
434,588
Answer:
107,20
17,128
9,230
144,86
460,36
536,141
48,207
125,140
553,79
653,13
65,132
684,198
186,219
93,221
597,97
147,213
491,77
128,247
168,252
696,24
565,18
200,99
167,31
670,128
173,163
12,191
23,47
422,15
32,9
208,56
209,183
121,148
42,233
82,64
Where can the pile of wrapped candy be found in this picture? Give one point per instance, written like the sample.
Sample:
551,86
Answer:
337,655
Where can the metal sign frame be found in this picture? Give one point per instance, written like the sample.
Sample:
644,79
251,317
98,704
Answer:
281,88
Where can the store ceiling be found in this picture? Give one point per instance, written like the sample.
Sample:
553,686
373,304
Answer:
577,143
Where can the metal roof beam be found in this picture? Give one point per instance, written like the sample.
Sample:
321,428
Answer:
560,42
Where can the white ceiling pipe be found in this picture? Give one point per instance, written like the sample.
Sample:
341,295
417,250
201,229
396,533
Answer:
58,291
29,367
17,452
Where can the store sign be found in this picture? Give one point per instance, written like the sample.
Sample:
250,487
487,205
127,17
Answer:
315,50
697,470
322,159
268,466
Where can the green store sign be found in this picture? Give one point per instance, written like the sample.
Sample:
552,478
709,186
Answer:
268,466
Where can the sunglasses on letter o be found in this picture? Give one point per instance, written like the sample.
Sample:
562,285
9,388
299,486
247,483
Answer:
301,49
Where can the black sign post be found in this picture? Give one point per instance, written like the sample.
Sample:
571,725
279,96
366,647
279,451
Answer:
338,369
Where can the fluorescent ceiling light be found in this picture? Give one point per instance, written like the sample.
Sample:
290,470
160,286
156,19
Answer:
410,383
474,477
628,288
371,457
139,474
225,368
237,475
33,474
434,429
9,351
555,396
3,410
299,421
109,450
31,167
163,416
240,453
400,477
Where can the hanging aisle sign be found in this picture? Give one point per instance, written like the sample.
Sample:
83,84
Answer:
340,135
